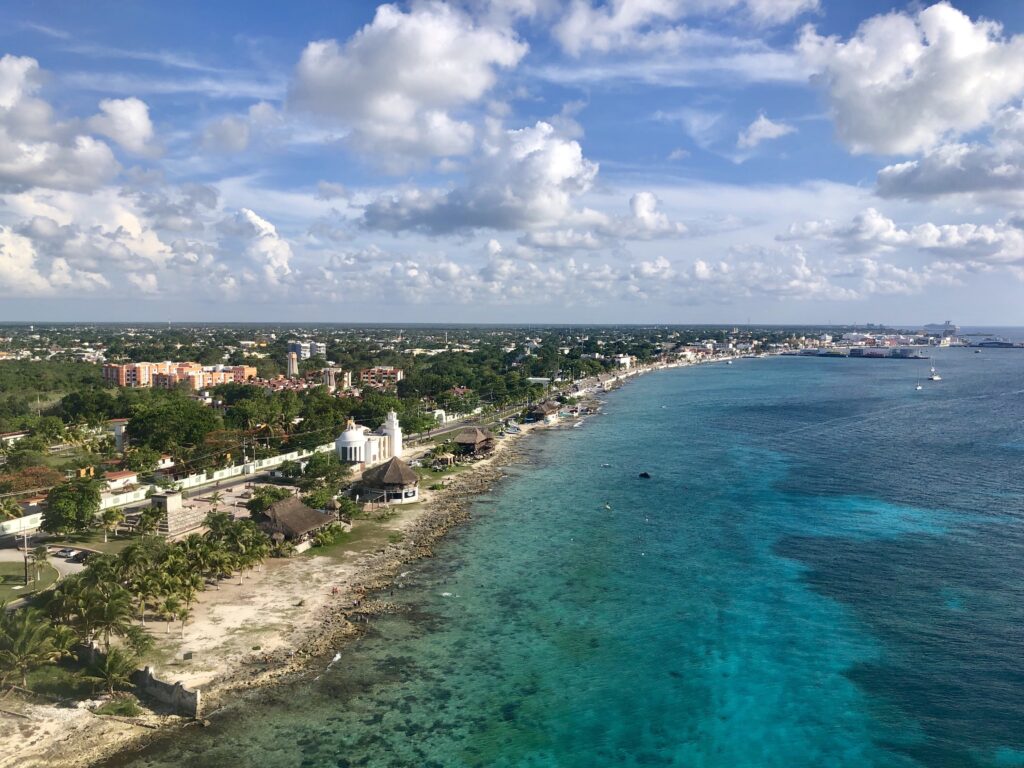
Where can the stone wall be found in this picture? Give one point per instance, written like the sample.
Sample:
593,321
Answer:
180,699
177,697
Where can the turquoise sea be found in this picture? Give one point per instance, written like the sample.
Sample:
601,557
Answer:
825,569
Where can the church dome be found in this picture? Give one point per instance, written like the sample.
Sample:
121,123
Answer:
352,435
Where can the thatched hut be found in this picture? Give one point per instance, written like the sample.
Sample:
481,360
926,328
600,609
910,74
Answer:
474,441
293,520
394,482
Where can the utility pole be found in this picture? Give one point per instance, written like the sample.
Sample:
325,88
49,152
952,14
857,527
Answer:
24,534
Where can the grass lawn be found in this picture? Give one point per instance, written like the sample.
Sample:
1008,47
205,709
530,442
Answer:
12,576
93,540
430,476
365,536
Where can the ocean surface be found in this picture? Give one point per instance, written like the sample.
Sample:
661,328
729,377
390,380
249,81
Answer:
826,568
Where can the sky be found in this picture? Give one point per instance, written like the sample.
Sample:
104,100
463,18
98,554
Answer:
562,161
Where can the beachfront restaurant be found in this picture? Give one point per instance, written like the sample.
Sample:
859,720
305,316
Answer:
291,520
393,482
474,441
544,412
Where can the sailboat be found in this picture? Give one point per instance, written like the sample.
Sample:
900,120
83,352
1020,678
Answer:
919,387
934,375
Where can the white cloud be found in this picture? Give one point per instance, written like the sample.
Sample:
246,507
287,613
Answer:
873,232
226,134
127,122
956,168
21,270
395,82
904,83
523,179
762,129
36,151
328,190
264,248
647,24
147,284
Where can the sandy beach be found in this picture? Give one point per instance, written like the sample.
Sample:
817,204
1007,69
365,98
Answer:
268,627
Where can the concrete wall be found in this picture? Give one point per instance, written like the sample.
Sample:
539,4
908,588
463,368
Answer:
180,699
16,526
108,500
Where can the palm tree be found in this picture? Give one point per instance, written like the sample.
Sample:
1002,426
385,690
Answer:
215,499
111,519
110,615
10,509
113,670
38,558
169,608
149,521
182,615
27,640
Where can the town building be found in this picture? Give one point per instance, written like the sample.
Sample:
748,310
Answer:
546,412
358,445
381,377
170,374
118,481
7,439
307,349
293,365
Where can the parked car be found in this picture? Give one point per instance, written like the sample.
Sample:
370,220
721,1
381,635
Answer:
81,557
66,552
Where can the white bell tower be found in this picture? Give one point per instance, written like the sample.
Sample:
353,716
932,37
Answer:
394,431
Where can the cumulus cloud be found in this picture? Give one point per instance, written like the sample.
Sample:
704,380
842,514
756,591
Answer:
903,83
762,129
127,122
264,247
34,149
395,83
523,179
961,168
23,273
873,232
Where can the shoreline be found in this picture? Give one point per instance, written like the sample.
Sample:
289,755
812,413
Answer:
336,605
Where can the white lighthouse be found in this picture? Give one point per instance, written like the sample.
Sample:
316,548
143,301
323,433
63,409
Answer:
393,430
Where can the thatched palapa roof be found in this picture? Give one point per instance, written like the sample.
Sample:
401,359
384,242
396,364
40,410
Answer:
294,519
392,472
473,436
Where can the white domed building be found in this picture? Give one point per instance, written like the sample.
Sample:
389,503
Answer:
358,445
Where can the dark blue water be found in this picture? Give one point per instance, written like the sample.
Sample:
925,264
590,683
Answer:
824,570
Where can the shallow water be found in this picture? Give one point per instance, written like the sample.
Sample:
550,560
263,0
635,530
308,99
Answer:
824,570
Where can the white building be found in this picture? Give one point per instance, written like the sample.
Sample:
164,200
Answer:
358,445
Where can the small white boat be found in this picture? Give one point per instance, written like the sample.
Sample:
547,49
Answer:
934,377
919,387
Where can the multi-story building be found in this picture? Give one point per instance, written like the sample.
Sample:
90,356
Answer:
381,377
307,349
301,349
170,374
293,365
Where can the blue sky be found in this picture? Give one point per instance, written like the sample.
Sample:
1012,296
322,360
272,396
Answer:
526,160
